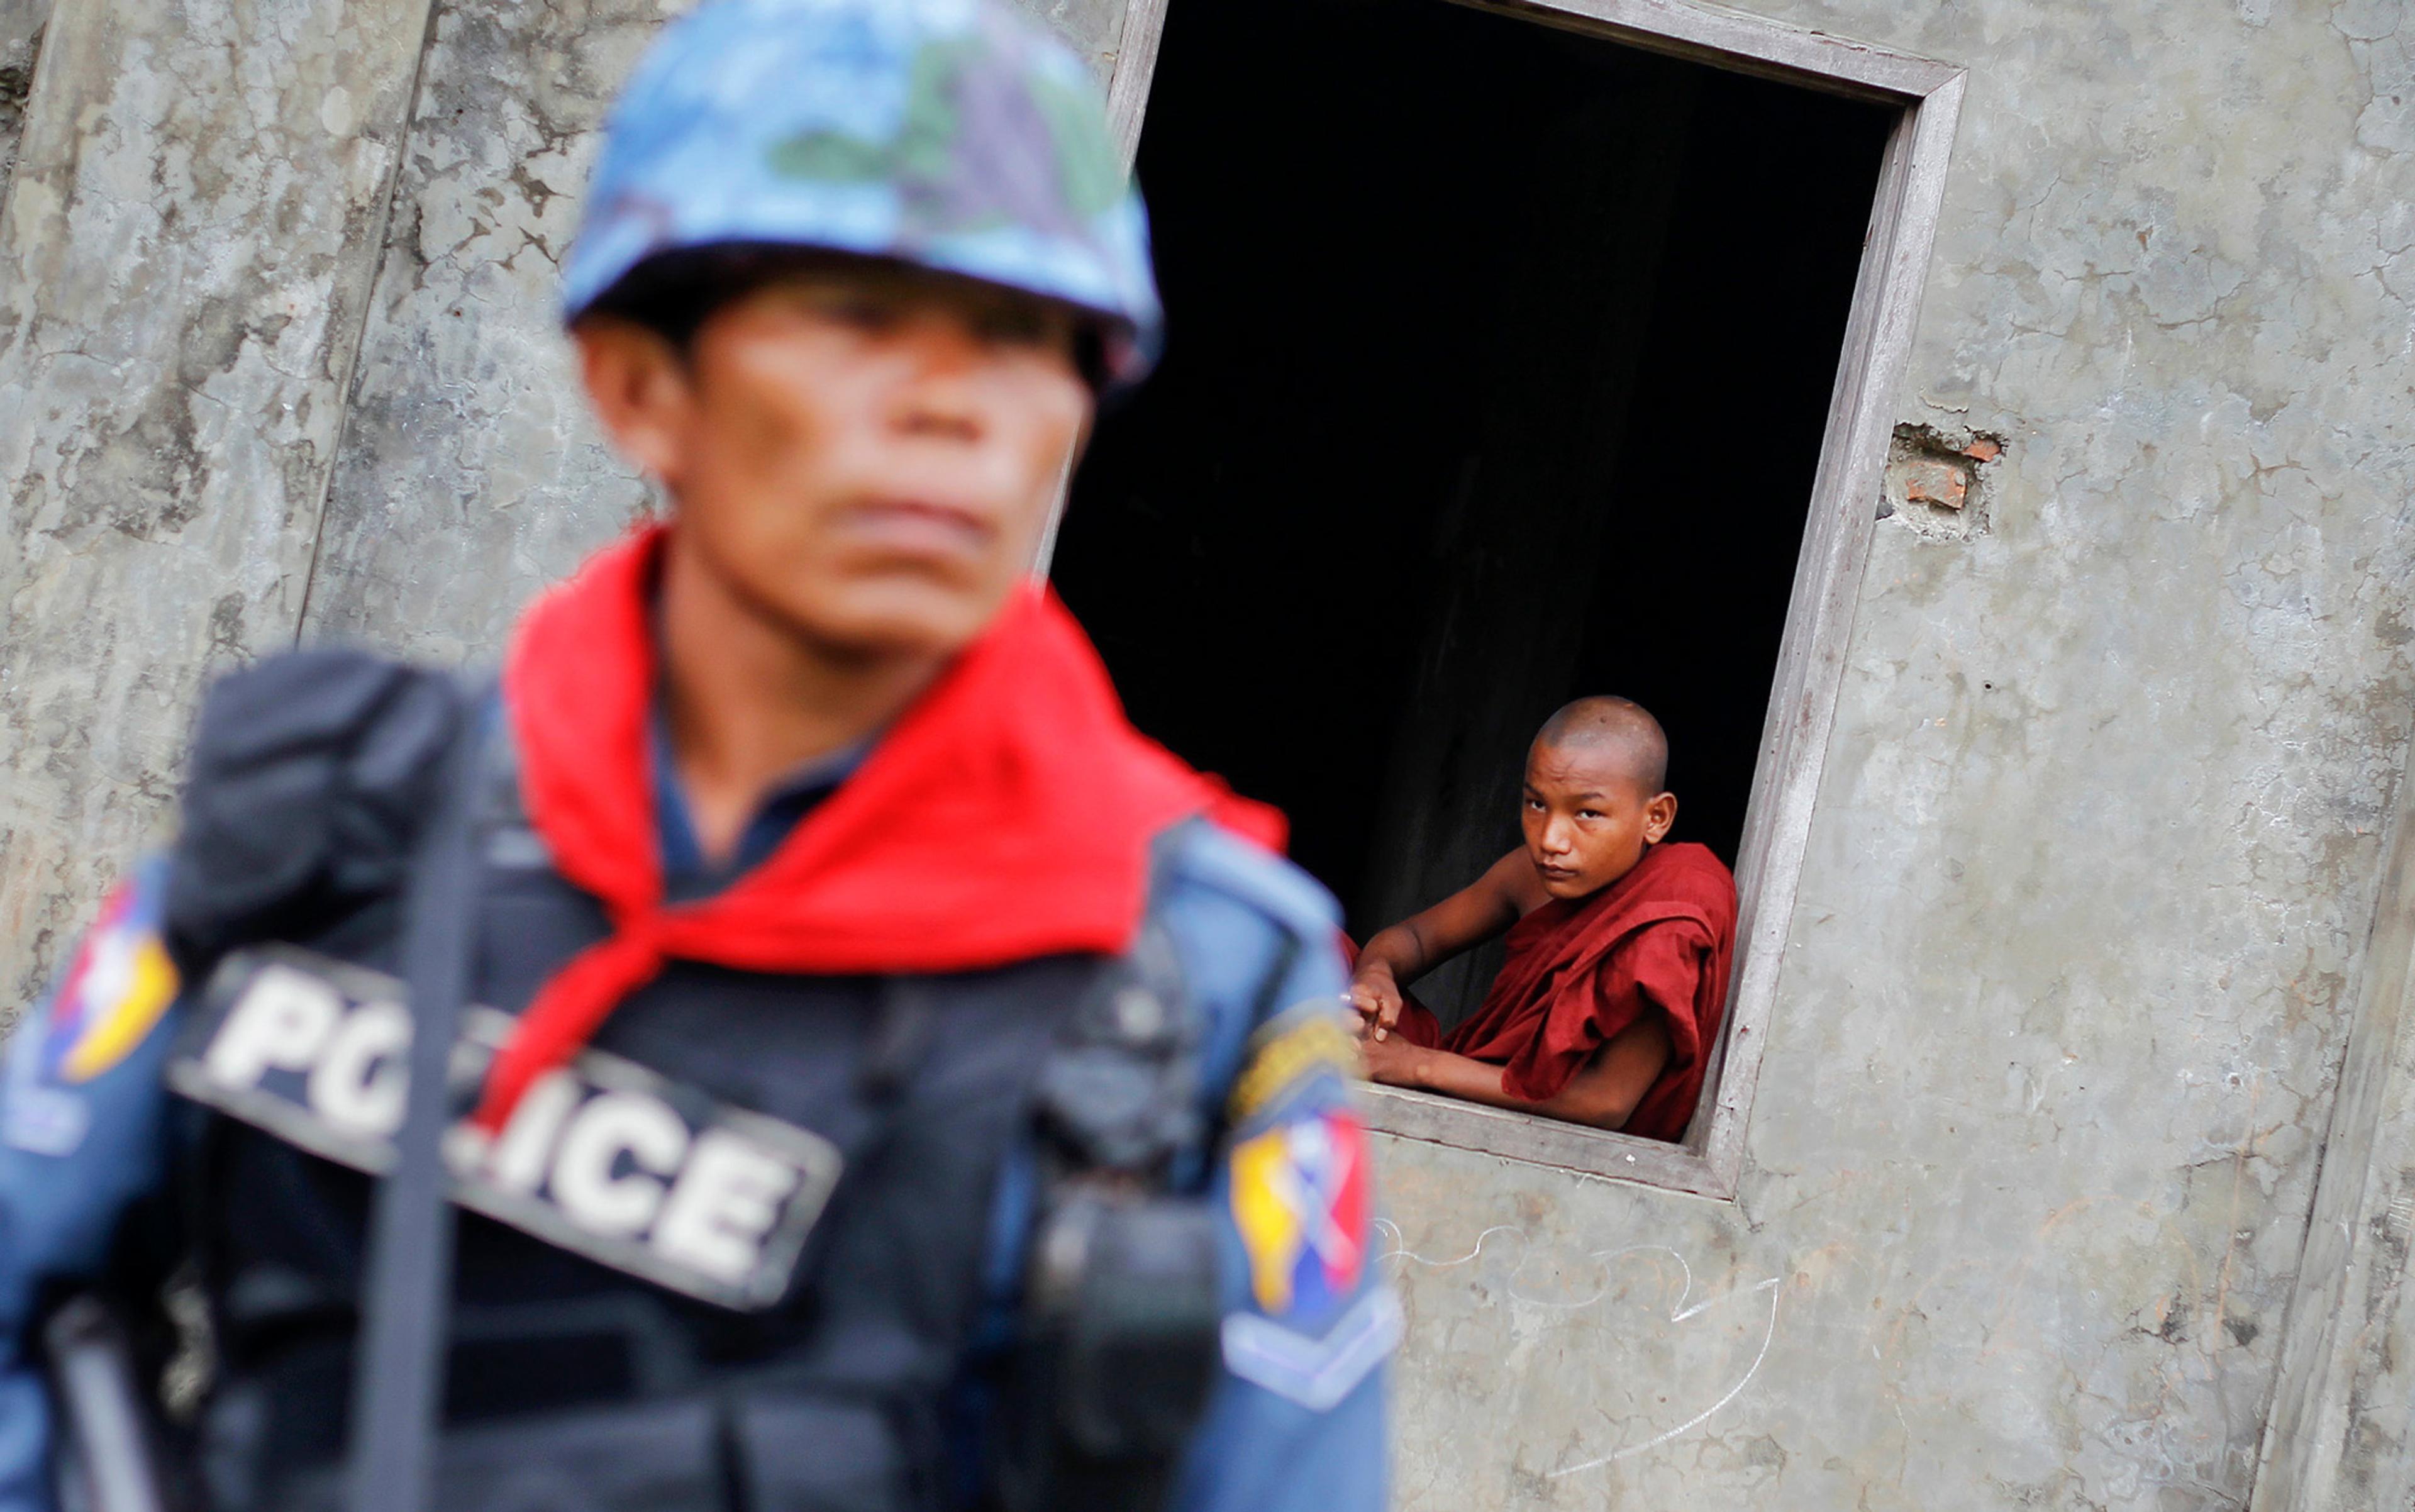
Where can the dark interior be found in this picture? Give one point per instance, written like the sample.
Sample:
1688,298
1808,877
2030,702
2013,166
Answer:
1499,364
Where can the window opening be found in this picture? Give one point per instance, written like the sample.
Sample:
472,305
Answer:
1501,361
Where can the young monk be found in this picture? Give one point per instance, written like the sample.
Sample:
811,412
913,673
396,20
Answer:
1605,1010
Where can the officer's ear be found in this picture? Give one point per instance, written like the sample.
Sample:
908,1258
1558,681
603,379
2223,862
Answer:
641,389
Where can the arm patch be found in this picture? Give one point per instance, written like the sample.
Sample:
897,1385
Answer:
1314,1373
1288,1054
116,990
1303,1200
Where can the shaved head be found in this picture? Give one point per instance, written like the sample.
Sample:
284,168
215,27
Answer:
1616,726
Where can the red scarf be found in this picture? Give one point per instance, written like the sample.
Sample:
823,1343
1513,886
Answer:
1006,816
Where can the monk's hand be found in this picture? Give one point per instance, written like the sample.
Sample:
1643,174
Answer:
1393,1062
1377,998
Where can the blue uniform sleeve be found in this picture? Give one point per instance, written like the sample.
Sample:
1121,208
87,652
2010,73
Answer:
1298,1421
82,1110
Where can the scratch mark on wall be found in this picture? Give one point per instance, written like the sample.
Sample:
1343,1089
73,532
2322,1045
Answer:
1706,1414
1396,1252
1682,1309
2212,1335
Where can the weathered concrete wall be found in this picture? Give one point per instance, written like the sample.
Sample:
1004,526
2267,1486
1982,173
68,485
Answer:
2082,916
177,316
2082,924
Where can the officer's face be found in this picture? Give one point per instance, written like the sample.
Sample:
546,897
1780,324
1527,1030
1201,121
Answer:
865,454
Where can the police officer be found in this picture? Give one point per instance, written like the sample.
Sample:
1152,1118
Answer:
872,1077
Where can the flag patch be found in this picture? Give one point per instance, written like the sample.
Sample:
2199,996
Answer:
115,994
1300,1198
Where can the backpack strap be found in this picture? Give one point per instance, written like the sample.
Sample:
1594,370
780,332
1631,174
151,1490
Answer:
406,1294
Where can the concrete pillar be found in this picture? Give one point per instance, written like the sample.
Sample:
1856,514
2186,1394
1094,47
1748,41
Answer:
183,265
470,474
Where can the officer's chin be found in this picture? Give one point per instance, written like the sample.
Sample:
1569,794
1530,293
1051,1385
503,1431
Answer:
901,612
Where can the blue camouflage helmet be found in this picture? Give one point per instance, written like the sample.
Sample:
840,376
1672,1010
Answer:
957,135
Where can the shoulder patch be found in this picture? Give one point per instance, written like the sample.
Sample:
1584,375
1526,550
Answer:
1303,1203
115,991
1314,1373
1287,1052
115,994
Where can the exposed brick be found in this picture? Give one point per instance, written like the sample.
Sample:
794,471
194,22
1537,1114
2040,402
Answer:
1934,481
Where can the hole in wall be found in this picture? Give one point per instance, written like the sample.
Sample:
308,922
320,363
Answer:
1936,481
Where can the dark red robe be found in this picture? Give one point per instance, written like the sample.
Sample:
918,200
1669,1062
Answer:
1658,940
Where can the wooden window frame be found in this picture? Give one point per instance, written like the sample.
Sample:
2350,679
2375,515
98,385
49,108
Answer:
1927,96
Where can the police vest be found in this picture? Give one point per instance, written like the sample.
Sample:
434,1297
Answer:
733,1258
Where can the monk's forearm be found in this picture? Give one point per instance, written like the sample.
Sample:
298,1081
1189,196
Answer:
1398,951
1459,1077
1479,1081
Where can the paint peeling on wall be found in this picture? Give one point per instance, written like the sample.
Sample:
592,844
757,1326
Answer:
21,47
